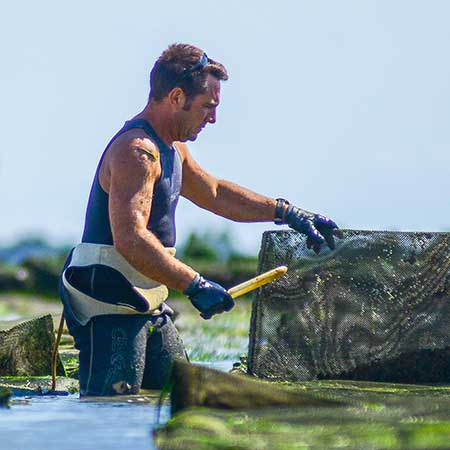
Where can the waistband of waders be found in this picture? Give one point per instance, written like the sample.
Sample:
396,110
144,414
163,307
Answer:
130,292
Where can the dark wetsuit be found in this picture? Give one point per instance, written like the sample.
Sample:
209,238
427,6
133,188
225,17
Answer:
121,353
166,192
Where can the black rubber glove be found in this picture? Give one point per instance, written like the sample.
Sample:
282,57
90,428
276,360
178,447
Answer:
208,297
318,229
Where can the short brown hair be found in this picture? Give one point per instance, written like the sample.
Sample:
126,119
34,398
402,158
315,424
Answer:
173,68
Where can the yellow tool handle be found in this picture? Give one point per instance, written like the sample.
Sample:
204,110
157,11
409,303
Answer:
257,282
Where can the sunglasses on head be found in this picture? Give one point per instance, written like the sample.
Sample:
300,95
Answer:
202,62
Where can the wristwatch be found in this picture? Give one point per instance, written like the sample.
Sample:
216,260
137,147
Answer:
279,211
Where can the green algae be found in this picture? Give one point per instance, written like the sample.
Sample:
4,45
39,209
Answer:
194,385
376,416
303,428
71,363
23,386
224,337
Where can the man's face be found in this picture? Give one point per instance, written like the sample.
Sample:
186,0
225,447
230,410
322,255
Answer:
202,110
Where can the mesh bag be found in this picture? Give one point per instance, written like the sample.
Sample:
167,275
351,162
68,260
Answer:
26,348
377,308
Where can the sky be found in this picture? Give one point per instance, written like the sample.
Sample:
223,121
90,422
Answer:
341,107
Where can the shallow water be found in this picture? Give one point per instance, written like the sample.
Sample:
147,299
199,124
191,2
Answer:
68,423
55,423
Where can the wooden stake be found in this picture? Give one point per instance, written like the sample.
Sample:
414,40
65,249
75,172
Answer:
257,282
55,351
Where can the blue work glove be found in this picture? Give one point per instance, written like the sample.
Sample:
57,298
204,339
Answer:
208,297
318,229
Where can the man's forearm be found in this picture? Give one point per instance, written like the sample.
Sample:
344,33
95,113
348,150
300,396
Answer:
148,256
240,204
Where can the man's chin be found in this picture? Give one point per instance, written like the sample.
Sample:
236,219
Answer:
189,138
193,137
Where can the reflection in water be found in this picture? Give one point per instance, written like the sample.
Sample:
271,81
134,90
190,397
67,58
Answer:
56,423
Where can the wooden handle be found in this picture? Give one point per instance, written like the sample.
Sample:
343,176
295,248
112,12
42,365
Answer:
257,282
55,351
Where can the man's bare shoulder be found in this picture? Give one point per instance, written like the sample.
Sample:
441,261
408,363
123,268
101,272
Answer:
134,144
132,155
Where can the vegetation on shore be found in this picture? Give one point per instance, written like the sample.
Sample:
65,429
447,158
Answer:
32,266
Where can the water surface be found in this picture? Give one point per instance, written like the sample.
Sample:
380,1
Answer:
68,423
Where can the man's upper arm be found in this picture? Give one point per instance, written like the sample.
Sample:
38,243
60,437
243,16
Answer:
134,168
198,185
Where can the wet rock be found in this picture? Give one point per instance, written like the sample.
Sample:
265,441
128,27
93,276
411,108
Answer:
380,416
194,385
26,349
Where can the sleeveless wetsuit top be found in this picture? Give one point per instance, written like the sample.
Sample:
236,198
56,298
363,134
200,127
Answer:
97,228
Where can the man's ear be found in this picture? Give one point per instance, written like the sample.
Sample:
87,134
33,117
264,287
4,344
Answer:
177,98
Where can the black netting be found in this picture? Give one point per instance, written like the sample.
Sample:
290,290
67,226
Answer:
377,308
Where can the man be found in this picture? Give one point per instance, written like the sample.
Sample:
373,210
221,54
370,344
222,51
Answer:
114,283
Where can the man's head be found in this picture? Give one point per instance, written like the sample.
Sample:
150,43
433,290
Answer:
187,79
186,67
